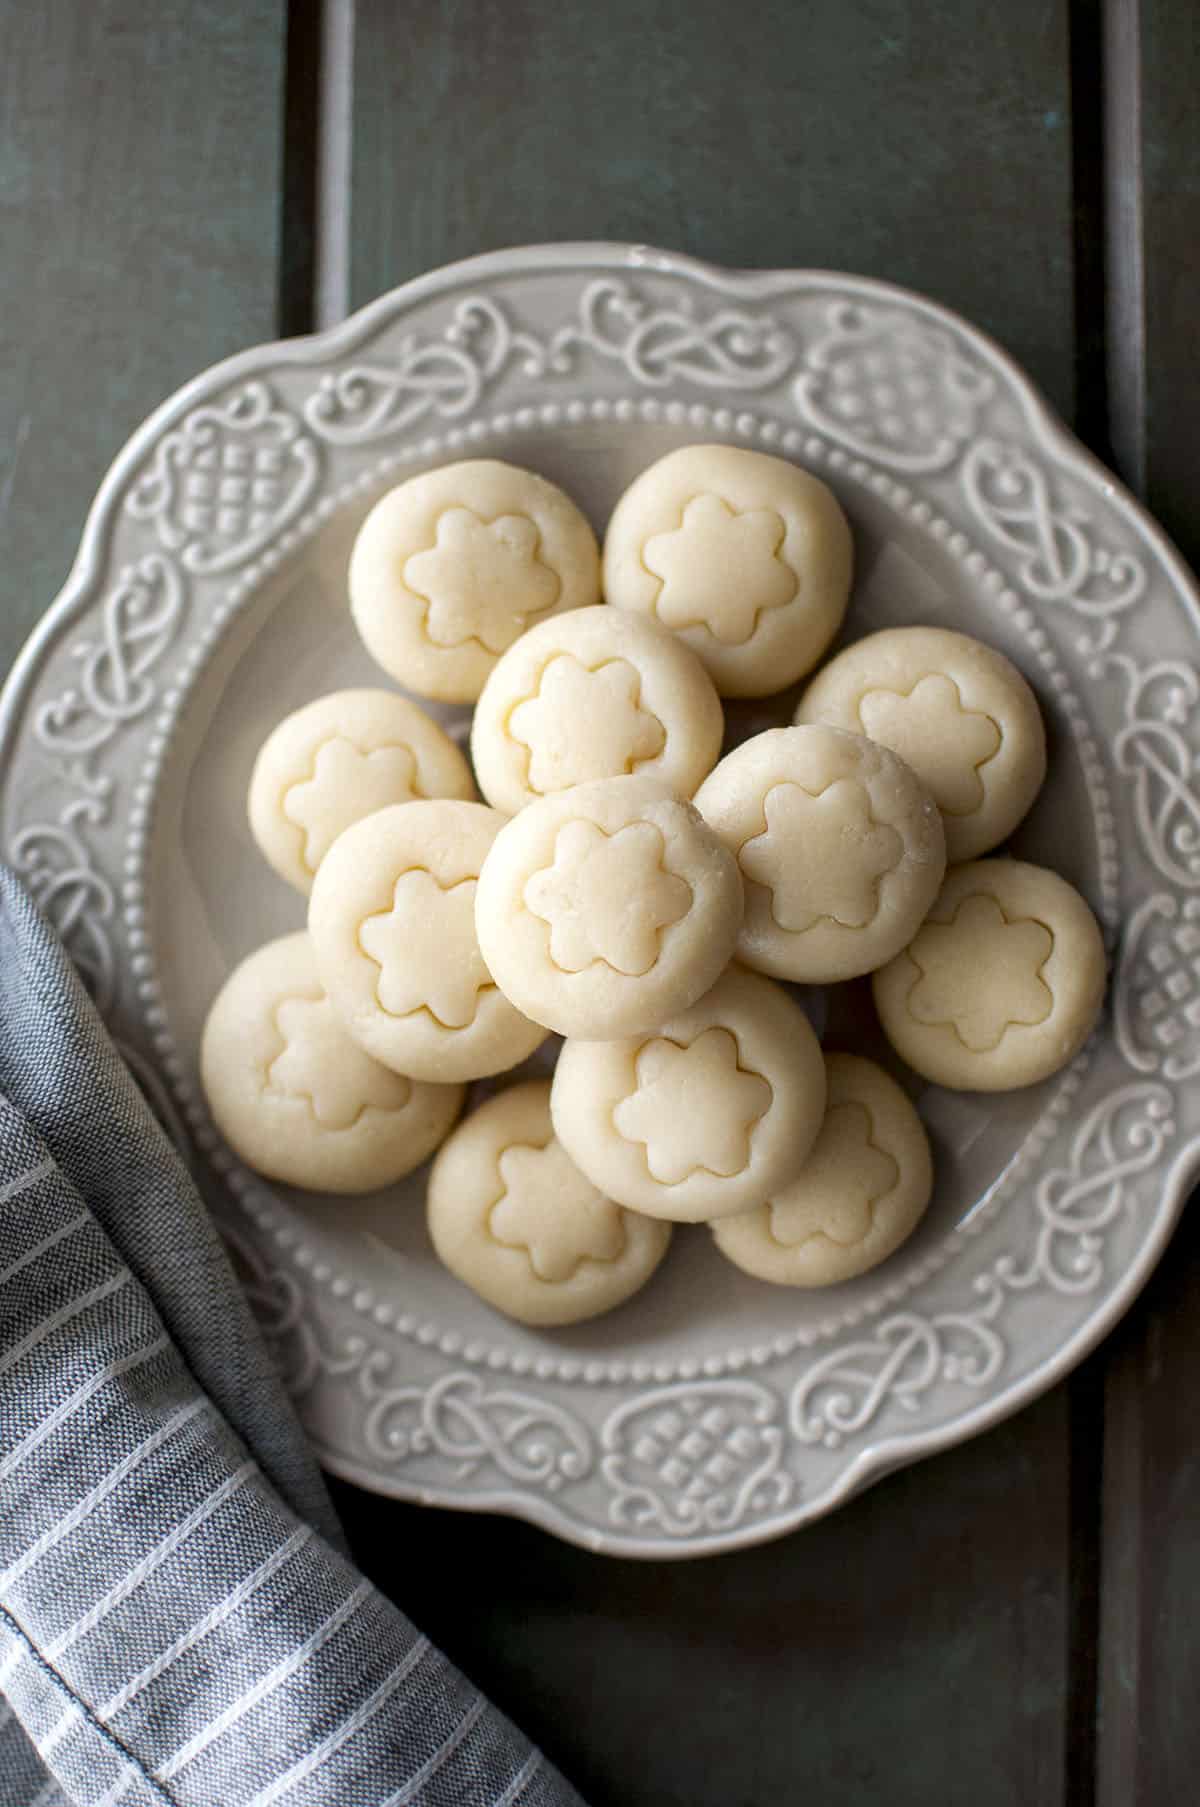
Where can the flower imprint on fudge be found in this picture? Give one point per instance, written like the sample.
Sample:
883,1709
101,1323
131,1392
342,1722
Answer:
720,569
426,951
481,580
621,734
980,974
821,855
925,724
694,1108
331,1074
347,784
551,1212
607,897
845,1176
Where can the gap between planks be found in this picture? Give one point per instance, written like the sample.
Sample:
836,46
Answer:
1115,1389
335,121
314,266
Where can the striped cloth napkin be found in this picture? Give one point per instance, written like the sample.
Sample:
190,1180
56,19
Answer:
180,1621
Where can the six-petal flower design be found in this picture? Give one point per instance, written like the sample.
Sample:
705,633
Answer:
980,973
426,950
607,897
482,580
621,734
345,785
320,1063
551,1211
720,569
933,731
821,856
843,1178
694,1107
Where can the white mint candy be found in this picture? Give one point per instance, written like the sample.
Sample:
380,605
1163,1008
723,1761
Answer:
708,1115
451,567
605,909
295,1097
338,759
746,557
598,693
511,1215
841,851
859,1195
958,712
1002,984
392,918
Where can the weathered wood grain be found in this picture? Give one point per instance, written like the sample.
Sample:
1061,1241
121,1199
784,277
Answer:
1148,1748
911,1642
928,144
1170,56
140,153
920,1636
155,202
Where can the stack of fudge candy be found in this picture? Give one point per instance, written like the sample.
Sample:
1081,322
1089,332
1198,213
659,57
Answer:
627,888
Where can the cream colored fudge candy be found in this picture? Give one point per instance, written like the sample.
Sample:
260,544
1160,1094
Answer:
605,909
452,566
338,759
746,557
958,712
598,693
511,1216
295,1097
841,850
1003,983
392,917
859,1195
711,1114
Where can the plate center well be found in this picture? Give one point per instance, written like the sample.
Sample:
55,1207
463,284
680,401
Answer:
212,900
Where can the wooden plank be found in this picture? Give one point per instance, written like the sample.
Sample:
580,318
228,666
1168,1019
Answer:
925,144
140,149
1149,1669
920,1636
912,1640
1171,252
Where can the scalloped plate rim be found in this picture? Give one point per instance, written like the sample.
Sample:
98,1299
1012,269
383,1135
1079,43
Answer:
1053,431
873,1463
877,1456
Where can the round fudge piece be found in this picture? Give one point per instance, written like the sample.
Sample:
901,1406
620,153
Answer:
744,556
708,1116
392,918
511,1216
598,693
1003,983
299,1101
605,909
956,711
341,758
451,567
859,1195
841,850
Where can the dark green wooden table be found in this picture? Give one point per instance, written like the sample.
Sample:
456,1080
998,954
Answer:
1012,1621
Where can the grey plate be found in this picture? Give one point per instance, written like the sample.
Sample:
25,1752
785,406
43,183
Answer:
208,599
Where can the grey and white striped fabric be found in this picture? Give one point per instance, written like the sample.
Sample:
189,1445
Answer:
179,1619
